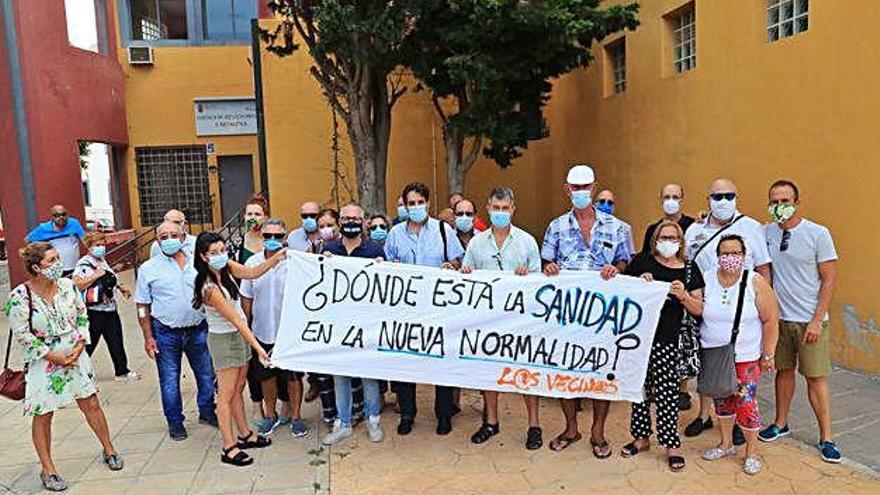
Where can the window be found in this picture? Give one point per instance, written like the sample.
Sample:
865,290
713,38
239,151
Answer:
158,19
173,177
617,52
82,24
684,38
228,19
786,18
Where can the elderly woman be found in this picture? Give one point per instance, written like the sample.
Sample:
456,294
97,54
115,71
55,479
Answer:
49,323
754,344
97,281
666,263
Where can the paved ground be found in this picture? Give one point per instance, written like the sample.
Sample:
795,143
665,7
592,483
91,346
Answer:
421,463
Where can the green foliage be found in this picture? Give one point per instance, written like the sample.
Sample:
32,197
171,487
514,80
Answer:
497,59
83,150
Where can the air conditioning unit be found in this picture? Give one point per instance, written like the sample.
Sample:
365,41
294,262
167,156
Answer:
140,55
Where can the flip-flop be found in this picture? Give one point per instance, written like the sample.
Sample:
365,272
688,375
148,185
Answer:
676,463
631,450
562,442
596,449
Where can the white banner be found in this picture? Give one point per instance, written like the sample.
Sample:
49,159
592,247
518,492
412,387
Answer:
572,335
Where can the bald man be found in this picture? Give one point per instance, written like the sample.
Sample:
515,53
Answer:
63,233
671,200
306,237
188,242
606,202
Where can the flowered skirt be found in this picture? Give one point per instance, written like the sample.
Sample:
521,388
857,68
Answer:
50,387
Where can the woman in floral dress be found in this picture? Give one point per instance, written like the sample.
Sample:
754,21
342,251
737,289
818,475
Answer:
50,325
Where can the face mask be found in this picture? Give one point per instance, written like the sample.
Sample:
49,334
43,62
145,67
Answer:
668,249
379,234
418,214
352,229
730,263
252,223
671,206
402,213
605,208
580,199
500,219
170,247
98,251
54,271
782,212
723,210
310,225
272,245
464,223
327,233
218,261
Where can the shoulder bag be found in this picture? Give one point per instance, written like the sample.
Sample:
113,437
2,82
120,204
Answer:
688,340
717,377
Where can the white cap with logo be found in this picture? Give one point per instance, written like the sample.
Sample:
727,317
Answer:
580,175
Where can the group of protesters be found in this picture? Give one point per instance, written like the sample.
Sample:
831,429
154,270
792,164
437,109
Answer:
762,289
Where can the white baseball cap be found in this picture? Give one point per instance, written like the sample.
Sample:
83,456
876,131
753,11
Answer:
580,175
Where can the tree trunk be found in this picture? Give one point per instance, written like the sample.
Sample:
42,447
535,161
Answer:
458,160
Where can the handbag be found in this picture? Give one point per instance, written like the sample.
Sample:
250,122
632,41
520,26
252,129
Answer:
12,382
717,377
689,363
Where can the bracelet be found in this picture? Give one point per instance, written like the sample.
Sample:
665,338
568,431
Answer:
768,357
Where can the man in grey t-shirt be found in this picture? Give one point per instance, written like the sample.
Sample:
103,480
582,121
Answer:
804,266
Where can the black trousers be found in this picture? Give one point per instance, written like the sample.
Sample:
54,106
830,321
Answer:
256,372
108,325
406,398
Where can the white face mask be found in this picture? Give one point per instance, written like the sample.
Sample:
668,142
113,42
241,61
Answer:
668,249
724,209
671,206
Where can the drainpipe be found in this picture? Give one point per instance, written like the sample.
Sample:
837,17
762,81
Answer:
256,55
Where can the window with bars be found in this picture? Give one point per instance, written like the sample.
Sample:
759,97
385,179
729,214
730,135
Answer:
684,38
617,54
786,18
173,177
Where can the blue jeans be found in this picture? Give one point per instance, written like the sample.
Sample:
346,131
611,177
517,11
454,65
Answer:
372,405
173,343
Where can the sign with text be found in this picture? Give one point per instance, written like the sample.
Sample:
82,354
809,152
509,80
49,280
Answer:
225,116
572,335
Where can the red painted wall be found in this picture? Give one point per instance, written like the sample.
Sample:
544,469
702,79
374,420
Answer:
70,94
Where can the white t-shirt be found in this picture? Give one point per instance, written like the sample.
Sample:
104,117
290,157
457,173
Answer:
796,270
216,322
68,250
719,310
267,293
747,227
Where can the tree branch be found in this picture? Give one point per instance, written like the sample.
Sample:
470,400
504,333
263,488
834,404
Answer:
437,106
471,156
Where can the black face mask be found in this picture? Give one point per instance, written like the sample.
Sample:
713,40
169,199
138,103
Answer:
352,229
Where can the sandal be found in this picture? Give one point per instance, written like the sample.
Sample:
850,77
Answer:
533,438
485,432
676,463
598,447
562,442
632,450
245,442
240,459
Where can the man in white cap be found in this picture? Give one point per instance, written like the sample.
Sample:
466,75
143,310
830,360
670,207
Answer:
583,240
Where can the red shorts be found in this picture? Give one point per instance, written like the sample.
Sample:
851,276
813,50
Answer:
743,403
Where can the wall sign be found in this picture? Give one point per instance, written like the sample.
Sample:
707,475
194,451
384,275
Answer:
225,116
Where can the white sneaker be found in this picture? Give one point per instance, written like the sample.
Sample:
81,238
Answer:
716,453
339,433
752,466
132,376
374,429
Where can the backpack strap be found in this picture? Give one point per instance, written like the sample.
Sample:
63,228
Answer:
713,237
443,234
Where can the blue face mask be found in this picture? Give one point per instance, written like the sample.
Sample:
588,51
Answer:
419,213
402,213
580,199
379,234
218,261
170,247
99,251
605,207
272,245
500,219
464,223
310,224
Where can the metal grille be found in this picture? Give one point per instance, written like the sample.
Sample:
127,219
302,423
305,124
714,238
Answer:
786,18
685,39
173,177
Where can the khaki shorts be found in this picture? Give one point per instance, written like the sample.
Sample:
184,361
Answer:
813,360
228,350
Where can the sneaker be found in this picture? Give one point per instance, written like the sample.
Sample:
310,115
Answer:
830,452
283,420
266,426
444,426
53,482
131,376
298,428
209,420
176,431
328,420
339,433
374,429
716,453
773,432
113,461
739,437
752,466
698,426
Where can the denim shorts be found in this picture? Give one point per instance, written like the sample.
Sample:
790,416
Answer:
228,350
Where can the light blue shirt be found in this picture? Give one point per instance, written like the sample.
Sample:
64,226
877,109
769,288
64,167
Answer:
168,289
564,243
519,249
424,248
298,240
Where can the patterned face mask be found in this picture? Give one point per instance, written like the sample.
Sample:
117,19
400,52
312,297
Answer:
730,263
781,212
54,271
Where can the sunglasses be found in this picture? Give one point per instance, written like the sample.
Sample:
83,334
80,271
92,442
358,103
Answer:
609,202
464,214
376,227
59,215
786,236
309,215
729,196
274,236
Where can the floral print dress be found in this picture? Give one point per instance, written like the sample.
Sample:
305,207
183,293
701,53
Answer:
57,327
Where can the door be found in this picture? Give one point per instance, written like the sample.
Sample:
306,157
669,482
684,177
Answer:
236,183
